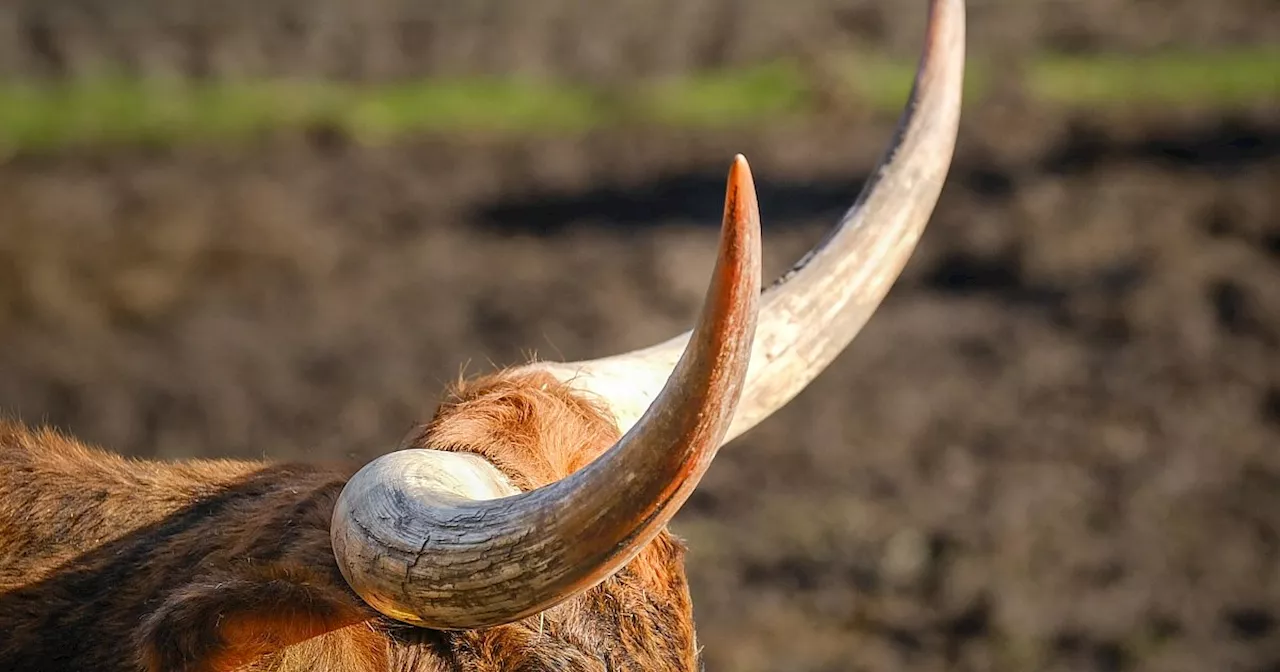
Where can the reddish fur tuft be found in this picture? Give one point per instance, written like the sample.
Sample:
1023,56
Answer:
529,425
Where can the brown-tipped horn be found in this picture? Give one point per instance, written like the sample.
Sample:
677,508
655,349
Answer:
813,312
452,546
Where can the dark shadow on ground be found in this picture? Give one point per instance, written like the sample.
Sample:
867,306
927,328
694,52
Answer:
694,196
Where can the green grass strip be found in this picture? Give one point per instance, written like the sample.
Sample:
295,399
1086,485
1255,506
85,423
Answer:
51,114
1222,79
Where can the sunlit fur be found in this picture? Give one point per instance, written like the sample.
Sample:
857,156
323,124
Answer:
110,564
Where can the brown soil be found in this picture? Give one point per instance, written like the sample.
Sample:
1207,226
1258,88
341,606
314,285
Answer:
607,41
1054,448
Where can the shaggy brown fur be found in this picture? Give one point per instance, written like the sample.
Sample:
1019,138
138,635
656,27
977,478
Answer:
109,564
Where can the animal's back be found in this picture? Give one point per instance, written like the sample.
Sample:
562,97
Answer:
92,544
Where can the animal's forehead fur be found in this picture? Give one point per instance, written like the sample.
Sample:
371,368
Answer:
531,426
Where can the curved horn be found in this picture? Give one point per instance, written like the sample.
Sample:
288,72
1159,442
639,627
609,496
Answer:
443,541
814,311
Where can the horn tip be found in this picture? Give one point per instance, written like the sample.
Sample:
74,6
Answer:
740,181
741,209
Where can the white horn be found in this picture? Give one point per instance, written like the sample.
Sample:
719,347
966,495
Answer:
813,312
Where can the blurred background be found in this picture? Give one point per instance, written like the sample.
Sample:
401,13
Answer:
278,228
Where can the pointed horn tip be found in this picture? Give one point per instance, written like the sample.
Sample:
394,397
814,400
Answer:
740,253
946,21
742,211
740,174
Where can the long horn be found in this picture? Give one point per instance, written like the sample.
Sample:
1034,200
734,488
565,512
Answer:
441,540
814,311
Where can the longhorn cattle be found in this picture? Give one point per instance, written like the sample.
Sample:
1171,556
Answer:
521,528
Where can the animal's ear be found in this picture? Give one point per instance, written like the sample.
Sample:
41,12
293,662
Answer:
230,622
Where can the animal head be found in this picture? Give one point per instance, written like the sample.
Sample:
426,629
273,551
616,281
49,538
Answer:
611,448
524,526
